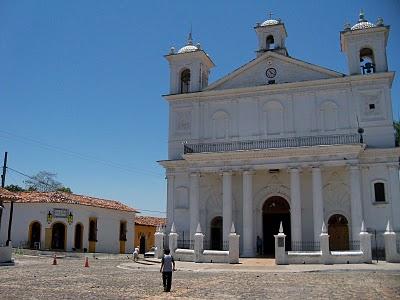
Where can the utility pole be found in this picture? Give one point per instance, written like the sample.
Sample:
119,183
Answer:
3,181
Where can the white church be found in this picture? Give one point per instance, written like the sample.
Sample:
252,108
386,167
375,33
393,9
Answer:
280,139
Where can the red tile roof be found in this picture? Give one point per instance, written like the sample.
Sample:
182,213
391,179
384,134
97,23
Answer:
150,221
6,195
60,197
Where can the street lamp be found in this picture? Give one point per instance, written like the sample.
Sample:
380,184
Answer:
49,217
70,218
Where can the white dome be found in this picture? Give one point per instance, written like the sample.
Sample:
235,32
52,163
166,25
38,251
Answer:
188,48
270,22
362,25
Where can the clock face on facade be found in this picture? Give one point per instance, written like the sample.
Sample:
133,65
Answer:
271,72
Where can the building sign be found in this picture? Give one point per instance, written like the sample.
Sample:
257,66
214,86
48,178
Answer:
60,212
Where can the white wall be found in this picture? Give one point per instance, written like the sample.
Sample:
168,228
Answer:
108,224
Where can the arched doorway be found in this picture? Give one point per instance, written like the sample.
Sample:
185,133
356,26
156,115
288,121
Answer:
78,236
58,236
216,234
275,210
34,235
338,231
142,248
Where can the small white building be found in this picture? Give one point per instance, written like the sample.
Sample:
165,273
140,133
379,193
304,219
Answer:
280,139
69,222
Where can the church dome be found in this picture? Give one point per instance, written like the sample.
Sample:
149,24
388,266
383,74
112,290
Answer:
362,23
269,22
188,48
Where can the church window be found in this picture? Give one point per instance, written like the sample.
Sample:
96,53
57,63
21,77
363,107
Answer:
270,42
221,125
329,116
185,81
379,190
274,117
367,64
182,197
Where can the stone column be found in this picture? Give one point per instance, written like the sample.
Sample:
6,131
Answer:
194,202
170,199
356,205
226,204
394,196
318,205
248,225
295,207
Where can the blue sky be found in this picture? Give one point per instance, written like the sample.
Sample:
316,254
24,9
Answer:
81,81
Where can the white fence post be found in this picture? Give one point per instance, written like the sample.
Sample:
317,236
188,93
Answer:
324,245
280,253
365,244
159,241
198,244
173,240
233,246
390,245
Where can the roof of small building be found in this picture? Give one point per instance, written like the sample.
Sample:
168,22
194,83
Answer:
66,198
150,221
7,195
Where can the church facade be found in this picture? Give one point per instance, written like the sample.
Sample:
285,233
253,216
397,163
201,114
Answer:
283,140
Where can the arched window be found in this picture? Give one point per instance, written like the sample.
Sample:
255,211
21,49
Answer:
185,81
270,42
367,64
379,191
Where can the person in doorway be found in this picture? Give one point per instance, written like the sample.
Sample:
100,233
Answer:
259,245
167,267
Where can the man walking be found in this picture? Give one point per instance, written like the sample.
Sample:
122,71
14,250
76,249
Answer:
167,266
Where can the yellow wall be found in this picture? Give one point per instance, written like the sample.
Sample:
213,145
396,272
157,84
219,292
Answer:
148,232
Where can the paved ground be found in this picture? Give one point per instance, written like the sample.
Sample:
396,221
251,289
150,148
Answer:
120,278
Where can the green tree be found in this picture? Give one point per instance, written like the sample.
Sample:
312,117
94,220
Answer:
65,190
14,188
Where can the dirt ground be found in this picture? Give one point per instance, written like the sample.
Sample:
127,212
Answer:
121,278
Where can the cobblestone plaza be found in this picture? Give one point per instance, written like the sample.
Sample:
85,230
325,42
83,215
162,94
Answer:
121,278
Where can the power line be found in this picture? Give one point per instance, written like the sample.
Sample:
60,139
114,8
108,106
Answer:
80,155
45,183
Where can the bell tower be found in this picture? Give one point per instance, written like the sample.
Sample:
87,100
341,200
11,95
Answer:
189,68
271,36
365,46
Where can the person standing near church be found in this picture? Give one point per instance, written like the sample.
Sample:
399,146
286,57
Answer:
259,245
167,267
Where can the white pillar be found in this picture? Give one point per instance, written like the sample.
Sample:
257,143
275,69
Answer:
226,204
394,196
318,205
248,225
356,205
194,203
295,204
170,199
